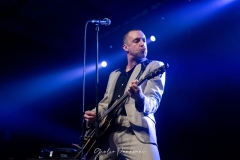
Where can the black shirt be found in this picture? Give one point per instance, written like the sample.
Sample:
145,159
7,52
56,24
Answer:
121,86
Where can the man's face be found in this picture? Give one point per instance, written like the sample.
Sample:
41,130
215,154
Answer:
135,45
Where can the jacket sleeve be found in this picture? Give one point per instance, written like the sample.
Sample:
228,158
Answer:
152,90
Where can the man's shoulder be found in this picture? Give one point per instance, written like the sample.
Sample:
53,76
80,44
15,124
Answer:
119,69
116,71
156,63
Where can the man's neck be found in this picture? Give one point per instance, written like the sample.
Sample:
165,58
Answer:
133,63
130,65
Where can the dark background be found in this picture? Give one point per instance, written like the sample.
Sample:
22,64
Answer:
41,54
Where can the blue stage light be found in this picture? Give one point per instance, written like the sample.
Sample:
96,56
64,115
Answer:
104,64
153,38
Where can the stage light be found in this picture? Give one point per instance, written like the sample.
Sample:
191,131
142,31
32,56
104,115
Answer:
104,64
153,38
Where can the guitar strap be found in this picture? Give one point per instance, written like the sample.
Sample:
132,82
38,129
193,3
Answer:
143,67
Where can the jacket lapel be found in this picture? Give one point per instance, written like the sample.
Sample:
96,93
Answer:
112,85
134,75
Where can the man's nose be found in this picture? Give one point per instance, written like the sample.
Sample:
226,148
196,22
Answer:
141,42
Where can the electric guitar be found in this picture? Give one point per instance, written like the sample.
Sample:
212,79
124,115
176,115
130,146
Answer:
109,115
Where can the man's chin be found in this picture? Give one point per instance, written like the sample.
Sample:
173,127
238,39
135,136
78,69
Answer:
143,55
140,59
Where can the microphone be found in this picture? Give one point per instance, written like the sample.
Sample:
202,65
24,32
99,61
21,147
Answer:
105,21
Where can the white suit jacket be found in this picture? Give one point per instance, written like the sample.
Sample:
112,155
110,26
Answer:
142,120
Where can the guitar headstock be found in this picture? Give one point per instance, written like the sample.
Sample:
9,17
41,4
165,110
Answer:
157,71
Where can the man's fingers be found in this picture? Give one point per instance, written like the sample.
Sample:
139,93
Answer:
87,116
129,93
133,89
90,113
134,82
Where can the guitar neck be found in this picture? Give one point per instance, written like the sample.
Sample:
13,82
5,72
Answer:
121,100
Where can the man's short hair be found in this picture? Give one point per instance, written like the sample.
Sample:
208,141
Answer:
126,34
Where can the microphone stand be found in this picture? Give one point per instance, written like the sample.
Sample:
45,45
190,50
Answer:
97,84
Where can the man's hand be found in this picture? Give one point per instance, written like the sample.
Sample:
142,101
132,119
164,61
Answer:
90,116
135,92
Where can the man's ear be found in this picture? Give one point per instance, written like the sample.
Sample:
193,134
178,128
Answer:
125,47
